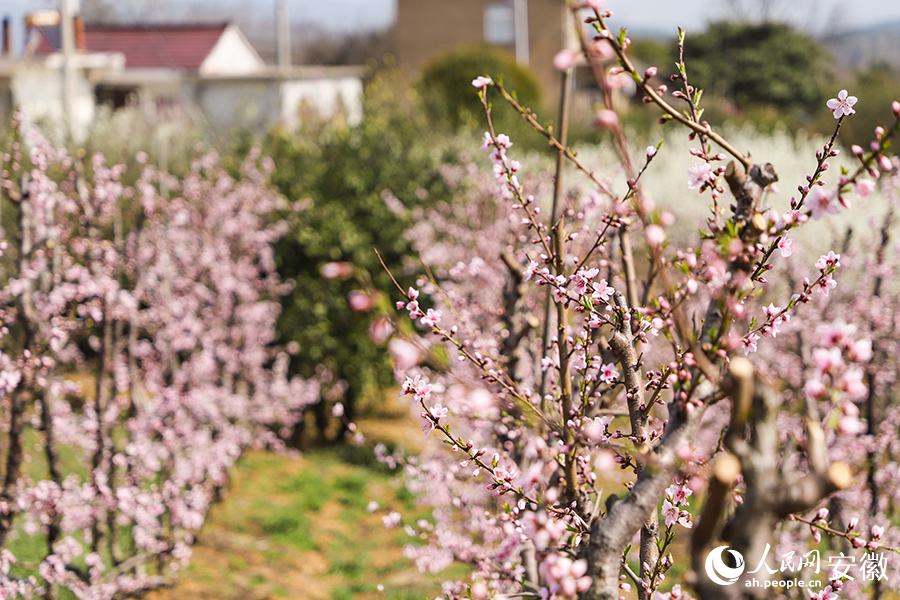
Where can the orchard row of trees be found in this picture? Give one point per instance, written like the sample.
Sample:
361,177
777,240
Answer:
585,370
137,361
624,396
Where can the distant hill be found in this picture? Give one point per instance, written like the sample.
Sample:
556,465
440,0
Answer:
880,43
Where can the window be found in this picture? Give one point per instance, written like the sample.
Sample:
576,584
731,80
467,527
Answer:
499,24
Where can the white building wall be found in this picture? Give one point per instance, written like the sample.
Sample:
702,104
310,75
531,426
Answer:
326,96
38,91
232,55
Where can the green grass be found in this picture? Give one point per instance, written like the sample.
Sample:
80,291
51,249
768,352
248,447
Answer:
299,528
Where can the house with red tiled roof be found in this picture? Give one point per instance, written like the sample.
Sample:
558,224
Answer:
210,67
218,49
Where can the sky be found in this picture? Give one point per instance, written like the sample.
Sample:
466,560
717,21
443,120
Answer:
343,16
643,14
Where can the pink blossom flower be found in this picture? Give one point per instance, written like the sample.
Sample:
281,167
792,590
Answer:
565,577
559,290
414,311
608,373
749,343
827,360
842,105
381,330
814,388
596,430
850,426
360,301
405,354
827,285
828,260
579,361
861,350
864,187
678,494
836,333
602,291
482,82
673,515
432,318
336,270
699,175
582,278
391,520
428,424
827,594
784,245
674,594
416,386
822,202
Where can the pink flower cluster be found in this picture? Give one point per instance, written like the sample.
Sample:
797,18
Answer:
167,304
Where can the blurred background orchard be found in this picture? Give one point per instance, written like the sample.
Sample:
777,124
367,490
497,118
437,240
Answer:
367,113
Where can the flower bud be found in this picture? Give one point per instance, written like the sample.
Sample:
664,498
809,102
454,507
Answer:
856,150
606,119
895,106
565,59
650,72
885,163
601,47
655,235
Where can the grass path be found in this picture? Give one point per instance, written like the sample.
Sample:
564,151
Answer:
298,527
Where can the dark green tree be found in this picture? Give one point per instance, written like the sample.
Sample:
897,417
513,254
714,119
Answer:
447,94
342,175
754,65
